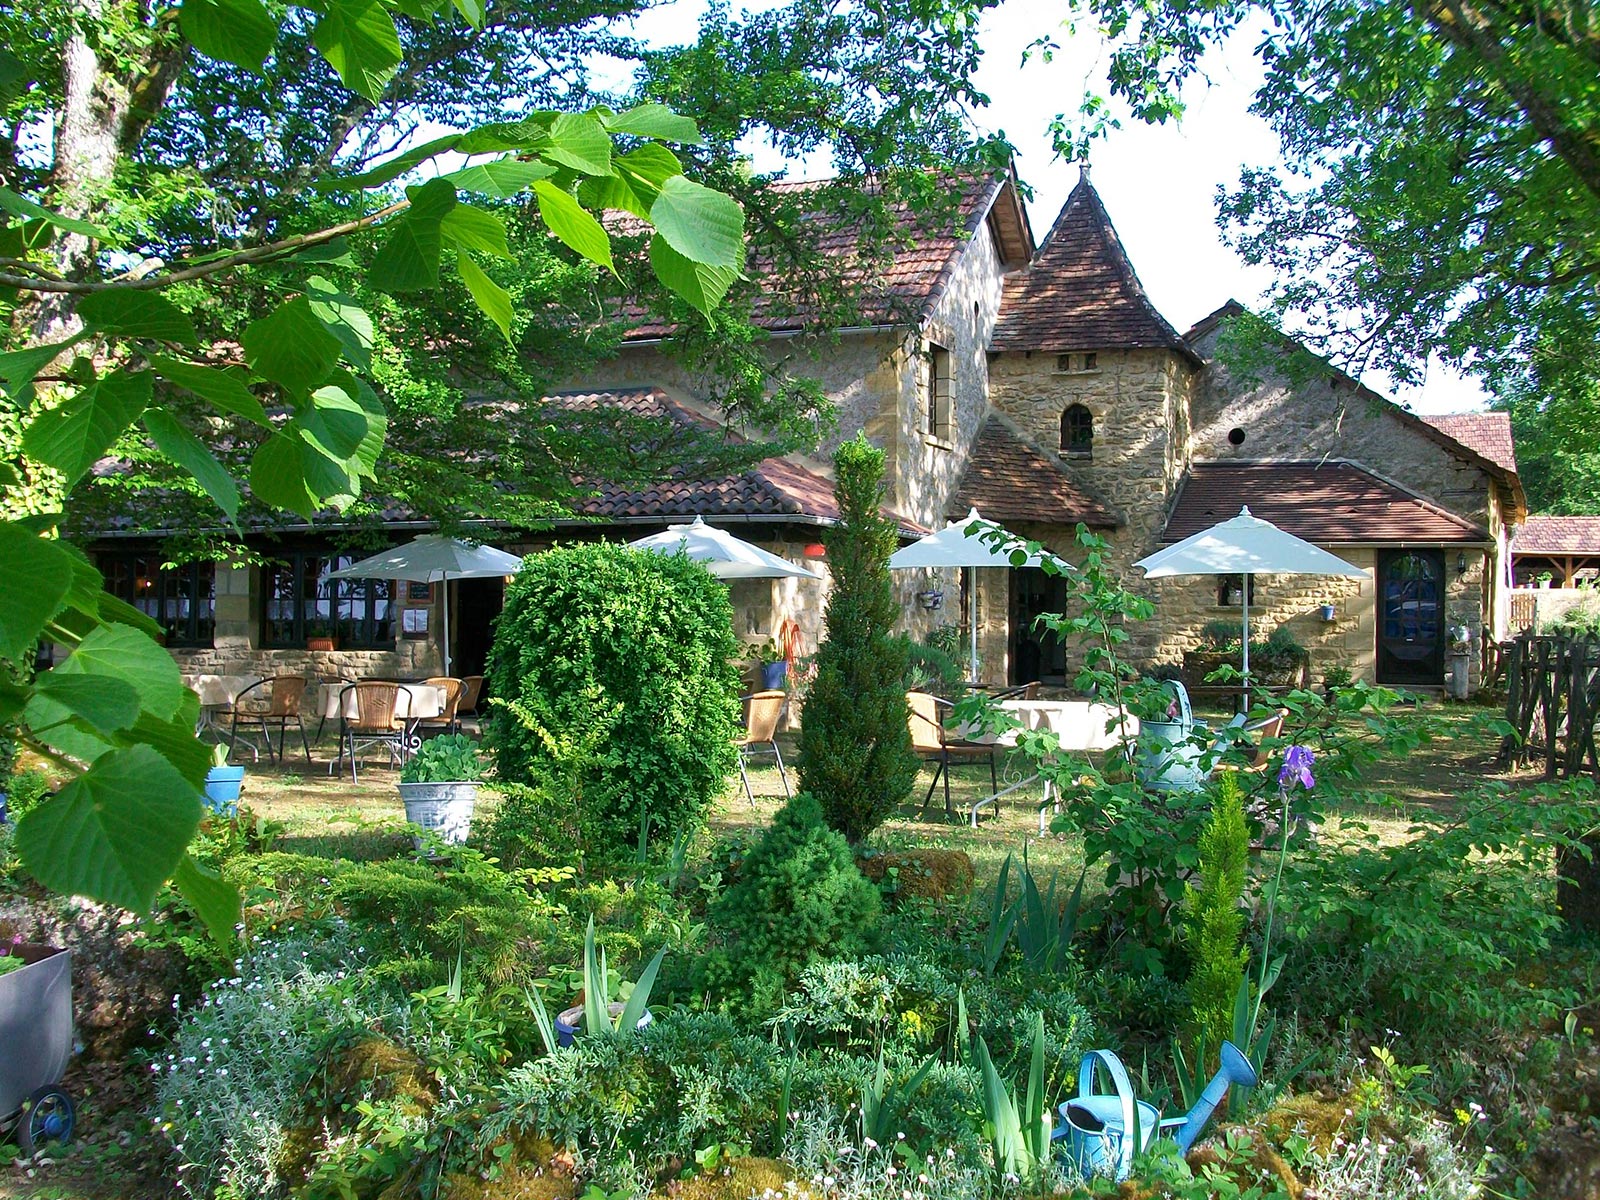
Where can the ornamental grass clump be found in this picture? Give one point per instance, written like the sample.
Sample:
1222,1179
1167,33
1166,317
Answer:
615,687
855,743
800,898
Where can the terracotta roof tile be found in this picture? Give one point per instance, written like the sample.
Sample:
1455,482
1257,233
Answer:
1008,479
900,287
1080,291
1545,533
1330,502
1487,433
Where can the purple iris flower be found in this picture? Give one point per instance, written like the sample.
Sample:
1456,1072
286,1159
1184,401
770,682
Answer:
1297,762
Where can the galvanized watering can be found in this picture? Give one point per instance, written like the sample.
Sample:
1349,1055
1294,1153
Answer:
1105,1130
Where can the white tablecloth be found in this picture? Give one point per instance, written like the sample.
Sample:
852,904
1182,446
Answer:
1080,724
425,700
220,691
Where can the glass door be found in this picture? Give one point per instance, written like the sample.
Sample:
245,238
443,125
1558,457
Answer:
1411,617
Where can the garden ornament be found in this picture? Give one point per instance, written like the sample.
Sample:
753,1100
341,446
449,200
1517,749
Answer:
1104,1131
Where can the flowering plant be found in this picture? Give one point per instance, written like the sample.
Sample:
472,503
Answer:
1296,768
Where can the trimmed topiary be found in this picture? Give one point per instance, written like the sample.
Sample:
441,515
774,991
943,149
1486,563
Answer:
612,674
855,737
800,898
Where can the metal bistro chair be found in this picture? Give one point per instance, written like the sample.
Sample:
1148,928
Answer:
762,712
274,701
448,720
338,681
934,743
471,692
374,722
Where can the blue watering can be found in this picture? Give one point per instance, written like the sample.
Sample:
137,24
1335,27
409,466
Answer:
1102,1129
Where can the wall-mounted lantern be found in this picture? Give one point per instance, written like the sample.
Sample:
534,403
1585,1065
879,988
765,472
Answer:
1461,565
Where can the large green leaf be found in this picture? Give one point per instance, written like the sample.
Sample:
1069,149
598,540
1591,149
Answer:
345,319
530,133
361,43
579,141
126,312
651,164
473,229
54,724
365,460
18,367
214,901
655,121
569,221
116,833
335,422
21,206
472,11
702,225
333,480
290,346
190,453
241,32
175,740
223,388
493,299
701,285
38,575
77,433
107,704
408,260
277,478
124,653
500,177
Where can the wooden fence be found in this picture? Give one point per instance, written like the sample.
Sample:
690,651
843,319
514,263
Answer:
1552,703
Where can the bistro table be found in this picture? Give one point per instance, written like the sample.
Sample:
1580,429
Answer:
1080,726
217,693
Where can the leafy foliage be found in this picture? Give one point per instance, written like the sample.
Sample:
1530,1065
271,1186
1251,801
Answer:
799,898
448,758
855,743
629,654
1215,920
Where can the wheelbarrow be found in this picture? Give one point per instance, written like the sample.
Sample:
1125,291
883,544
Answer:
35,1043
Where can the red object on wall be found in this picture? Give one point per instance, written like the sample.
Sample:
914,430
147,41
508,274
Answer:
815,550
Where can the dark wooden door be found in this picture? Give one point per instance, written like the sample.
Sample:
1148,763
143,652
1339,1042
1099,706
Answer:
478,603
1411,616
1036,653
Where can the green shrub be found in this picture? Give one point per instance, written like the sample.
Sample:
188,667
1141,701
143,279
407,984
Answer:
616,690
1215,922
449,758
24,791
855,742
800,898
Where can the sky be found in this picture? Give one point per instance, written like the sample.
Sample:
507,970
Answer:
1159,183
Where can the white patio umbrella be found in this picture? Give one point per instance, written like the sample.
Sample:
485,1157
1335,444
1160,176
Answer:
1245,545
434,558
724,555
952,546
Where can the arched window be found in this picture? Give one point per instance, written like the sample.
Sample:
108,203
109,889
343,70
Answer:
1077,432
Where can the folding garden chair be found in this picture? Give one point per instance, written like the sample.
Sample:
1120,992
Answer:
934,743
762,712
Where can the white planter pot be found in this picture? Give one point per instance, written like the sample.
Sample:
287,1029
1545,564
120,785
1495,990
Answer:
441,808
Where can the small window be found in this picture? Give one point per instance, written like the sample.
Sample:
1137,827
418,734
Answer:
181,598
1076,364
1090,361
1230,590
936,398
1236,437
1077,432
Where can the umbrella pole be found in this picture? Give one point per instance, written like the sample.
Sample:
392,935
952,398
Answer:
972,618
445,648
1244,644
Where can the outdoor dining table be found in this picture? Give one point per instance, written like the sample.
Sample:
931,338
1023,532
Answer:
416,701
217,693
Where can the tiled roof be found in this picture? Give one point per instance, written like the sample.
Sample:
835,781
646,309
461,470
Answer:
1008,479
1487,433
774,487
1080,291
898,286
1329,502
1547,534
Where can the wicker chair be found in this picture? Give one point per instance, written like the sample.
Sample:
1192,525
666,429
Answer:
274,701
470,694
934,743
338,682
448,720
374,722
762,712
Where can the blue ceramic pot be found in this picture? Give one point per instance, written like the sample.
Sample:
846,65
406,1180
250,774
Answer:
223,785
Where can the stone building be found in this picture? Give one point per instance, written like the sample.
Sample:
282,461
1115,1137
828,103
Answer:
1041,386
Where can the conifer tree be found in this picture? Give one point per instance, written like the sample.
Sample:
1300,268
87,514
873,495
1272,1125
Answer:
1216,922
855,737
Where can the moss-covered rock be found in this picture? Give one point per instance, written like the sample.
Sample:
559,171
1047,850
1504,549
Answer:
517,1183
376,1068
740,1180
921,874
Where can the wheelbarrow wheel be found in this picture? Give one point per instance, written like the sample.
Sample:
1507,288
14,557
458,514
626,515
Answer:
49,1117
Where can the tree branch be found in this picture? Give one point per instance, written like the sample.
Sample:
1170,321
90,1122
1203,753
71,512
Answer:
256,254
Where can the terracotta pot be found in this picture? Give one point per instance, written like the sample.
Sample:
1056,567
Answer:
322,643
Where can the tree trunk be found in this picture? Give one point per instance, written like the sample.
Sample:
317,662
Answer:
1578,889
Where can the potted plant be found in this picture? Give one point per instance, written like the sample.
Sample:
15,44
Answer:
597,1009
1546,578
1334,679
322,635
439,786
223,784
766,661
1168,758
